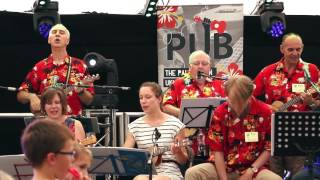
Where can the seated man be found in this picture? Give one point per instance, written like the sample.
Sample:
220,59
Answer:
239,137
49,147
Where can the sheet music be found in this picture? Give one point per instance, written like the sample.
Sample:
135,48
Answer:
194,111
119,161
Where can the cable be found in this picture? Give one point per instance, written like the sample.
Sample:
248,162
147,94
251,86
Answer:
257,5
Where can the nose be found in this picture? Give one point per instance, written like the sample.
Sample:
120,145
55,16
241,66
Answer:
295,52
142,100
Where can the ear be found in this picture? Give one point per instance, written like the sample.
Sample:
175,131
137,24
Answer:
160,99
282,48
51,158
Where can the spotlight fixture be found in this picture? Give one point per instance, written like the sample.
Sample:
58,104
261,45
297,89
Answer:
108,71
272,19
45,15
150,8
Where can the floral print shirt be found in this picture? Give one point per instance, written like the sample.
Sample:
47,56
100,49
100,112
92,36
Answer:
227,134
186,87
277,85
46,74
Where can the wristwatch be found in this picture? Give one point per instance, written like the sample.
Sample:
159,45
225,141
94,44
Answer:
254,169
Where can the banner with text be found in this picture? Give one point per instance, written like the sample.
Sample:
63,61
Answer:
215,29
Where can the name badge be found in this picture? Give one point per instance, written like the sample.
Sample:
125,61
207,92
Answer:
251,137
298,88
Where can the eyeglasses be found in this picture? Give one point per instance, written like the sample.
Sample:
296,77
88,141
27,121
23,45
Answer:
71,153
203,63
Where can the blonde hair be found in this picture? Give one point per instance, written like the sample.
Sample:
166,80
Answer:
242,87
197,53
82,150
61,27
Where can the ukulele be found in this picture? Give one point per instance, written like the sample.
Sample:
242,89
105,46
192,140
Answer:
90,140
84,83
159,151
279,106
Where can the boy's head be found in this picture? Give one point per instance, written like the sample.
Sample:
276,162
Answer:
48,144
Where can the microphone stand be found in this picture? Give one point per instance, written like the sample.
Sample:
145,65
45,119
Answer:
8,88
200,75
94,86
155,136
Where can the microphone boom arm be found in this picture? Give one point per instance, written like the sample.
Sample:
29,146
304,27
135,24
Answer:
202,74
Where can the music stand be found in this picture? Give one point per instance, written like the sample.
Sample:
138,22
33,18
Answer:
295,134
90,124
17,166
119,161
197,112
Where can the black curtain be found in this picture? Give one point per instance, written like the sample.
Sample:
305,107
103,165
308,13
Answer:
130,40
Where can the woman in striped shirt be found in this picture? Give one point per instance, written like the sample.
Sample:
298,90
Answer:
168,129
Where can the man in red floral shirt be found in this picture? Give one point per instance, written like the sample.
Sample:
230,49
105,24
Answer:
59,67
191,86
288,78
239,136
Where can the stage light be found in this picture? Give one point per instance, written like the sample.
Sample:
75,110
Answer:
45,15
108,71
150,8
272,19
92,62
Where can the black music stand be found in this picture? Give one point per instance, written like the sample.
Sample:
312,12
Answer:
296,133
17,166
90,124
119,161
197,112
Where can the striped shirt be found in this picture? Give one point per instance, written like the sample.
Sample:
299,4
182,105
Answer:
143,134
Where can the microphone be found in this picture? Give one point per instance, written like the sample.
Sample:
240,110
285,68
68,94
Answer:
9,88
157,134
201,75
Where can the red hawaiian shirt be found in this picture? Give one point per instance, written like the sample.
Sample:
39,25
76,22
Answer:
45,74
186,87
227,134
277,85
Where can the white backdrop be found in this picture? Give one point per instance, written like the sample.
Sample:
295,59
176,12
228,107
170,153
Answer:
292,7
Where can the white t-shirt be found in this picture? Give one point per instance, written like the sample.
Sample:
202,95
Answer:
143,134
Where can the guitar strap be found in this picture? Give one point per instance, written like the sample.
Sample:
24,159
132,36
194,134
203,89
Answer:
308,76
306,70
68,73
